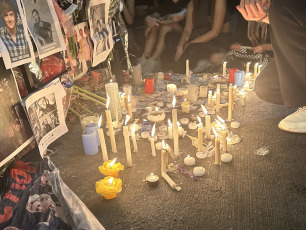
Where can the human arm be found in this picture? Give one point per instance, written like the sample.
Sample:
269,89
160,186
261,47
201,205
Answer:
218,21
262,47
129,11
253,10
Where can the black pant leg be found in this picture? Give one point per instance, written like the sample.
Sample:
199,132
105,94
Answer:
288,24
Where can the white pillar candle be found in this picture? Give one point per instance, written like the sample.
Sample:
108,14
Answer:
192,95
102,141
113,93
189,160
203,91
224,69
134,139
199,171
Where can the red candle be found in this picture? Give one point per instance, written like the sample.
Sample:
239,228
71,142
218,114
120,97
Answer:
231,75
149,85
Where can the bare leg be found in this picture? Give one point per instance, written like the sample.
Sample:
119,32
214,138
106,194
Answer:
160,47
150,42
216,58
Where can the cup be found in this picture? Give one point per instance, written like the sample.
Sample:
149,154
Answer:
149,85
137,75
160,76
87,118
239,78
166,76
231,75
171,88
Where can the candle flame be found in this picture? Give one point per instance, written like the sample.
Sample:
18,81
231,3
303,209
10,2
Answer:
164,144
185,99
100,122
218,122
215,76
218,90
246,84
111,80
209,92
107,102
153,130
178,124
127,119
220,119
248,74
169,122
112,163
259,66
156,108
152,174
110,181
213,97
256,64
215,132
129,100
235,86
199,119
224,63
134,128
228,139
188,156
248,63
204,109
173,102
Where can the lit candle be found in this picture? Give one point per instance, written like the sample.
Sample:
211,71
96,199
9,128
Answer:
164,158
127,142
187,69
189,160
230,103
213,100
209,98
247,70
152,180
111,168
218,97
217,147
234,96
180,130
200,135
207,122
102,140
224,69
134,139
151,138
224,139
175,128
185,106
243,98
110,126
255,69
109,187
259,69
130,107
170,130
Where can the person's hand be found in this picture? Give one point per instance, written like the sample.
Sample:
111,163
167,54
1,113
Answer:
235,47
259,49
151,21
252,10
179,52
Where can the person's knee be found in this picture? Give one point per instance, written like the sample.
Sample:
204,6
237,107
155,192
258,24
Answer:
216,58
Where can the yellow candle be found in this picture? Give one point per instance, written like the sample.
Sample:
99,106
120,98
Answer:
110,126
109,187
224,69
130,107
187,69
209,98
134,139
200,135
170,129
102,140
175,128
224,140
230,103
152,141
217,148
127,143
218,97
110,168
164,158
185,106
207,122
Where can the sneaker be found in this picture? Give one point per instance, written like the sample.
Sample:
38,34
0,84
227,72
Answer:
151,65
141,60
202,65
296,122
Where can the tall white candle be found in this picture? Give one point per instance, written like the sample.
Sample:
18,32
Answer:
230,103
209,98
134,139
127,142
218,98
207,122
255,69
164,158
217,147
102,140
130,107
110,126
151,138
175,128
224,69
187,69
259,69
247,69
200,135
170,129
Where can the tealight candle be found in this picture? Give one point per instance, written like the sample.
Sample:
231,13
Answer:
202,114
184,121
192,126
189,160
145,134
199,171
152,180
110,168
201,155
109,187
185,106
171,88
226,157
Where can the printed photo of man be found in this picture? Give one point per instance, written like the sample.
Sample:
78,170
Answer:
42,29
13,35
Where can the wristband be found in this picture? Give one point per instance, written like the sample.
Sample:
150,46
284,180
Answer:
263,17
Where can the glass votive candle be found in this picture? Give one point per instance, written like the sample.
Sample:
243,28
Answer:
149,85
87,118
231,75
